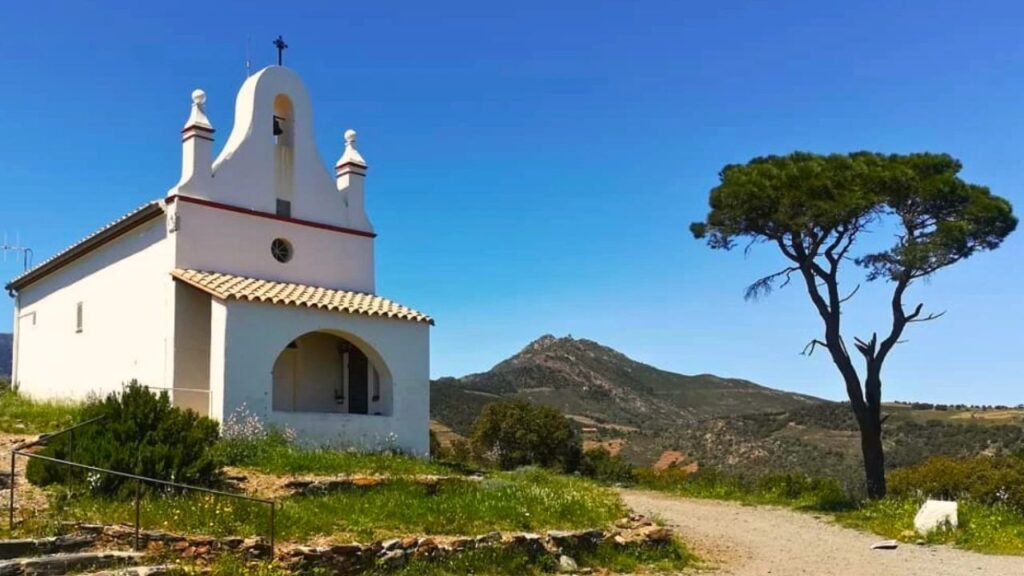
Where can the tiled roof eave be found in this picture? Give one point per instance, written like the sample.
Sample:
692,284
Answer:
245,289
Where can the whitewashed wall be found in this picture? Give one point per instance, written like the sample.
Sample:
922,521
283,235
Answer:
252,336
253,170
218,240
126,293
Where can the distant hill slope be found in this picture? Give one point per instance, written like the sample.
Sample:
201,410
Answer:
6,354
601,387
727,424
823,439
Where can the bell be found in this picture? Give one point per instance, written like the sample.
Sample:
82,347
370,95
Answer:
277,126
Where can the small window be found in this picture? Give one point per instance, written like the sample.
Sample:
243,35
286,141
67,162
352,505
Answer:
284,208
78,318
281,250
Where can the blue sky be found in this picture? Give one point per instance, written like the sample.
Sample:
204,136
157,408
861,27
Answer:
534,165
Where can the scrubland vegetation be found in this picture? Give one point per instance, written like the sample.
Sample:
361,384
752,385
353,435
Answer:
560,487
143,434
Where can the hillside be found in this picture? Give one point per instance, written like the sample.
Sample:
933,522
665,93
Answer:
823,439
646,415
600,387
6,346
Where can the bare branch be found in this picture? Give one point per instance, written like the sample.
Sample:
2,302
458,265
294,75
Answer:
914,314
766,285
809,349
867,349
926,318
850,295
746,249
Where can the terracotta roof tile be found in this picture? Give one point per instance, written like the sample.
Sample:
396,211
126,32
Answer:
229,286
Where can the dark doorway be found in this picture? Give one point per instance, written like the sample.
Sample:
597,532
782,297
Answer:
358,395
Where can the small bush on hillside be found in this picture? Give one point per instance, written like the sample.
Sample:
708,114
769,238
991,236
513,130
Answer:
5,386
141,433
984,479
517,433
599,464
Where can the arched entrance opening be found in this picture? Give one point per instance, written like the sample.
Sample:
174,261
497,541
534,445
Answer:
325,372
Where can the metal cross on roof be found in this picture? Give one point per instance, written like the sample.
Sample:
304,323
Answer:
279,43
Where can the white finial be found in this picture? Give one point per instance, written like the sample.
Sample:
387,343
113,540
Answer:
351,155
198,115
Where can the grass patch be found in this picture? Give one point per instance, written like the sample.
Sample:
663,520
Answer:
982,528
20,414
527,500
792,490
286,459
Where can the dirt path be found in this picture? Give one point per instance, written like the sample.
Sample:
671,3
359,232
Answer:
757,541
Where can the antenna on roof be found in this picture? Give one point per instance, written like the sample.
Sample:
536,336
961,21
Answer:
248,56
26,253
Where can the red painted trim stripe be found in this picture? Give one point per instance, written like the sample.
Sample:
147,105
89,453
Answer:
198,127
268,215
200,136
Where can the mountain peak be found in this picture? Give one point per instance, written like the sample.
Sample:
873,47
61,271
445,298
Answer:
544,342
597,384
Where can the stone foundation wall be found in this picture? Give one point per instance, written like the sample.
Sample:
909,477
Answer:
354,558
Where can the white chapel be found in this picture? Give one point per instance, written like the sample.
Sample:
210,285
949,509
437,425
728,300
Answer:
248,287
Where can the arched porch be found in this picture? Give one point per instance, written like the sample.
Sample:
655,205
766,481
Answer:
329,372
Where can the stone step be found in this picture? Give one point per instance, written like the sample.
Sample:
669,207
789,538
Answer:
161,570
61,564
58,544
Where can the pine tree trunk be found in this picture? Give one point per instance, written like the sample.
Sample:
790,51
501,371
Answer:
874,456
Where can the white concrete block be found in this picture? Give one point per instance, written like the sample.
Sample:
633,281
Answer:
935,514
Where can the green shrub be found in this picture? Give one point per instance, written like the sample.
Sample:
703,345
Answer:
599,464
141,433
995,480
517,433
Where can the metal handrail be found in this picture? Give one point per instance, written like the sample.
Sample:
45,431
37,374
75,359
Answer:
44,438
17,451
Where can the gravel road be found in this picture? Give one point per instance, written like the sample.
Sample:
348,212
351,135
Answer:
741,540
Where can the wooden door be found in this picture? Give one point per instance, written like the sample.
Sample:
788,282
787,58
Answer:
358,389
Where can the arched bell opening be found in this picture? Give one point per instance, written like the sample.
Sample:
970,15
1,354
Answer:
284,154
327,372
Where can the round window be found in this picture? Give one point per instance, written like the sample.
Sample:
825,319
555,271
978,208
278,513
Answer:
281,249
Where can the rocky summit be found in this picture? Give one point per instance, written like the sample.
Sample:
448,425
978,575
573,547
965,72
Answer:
601,387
